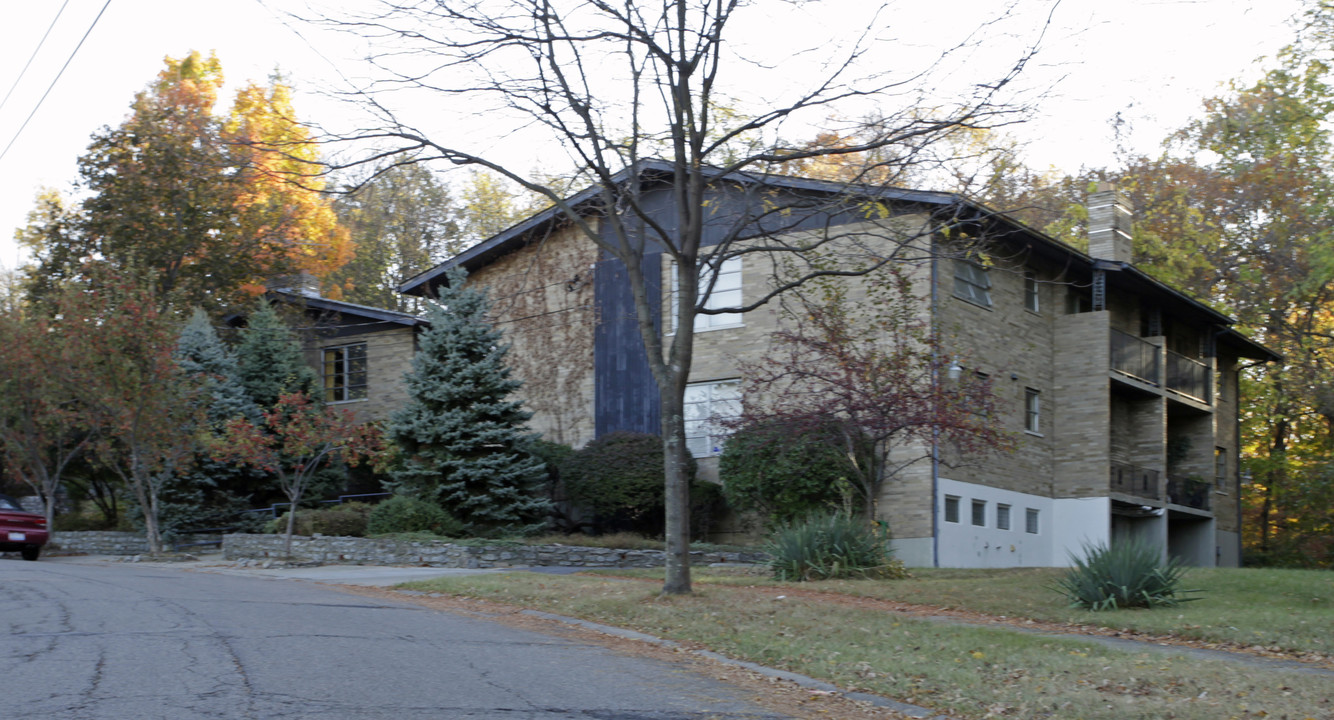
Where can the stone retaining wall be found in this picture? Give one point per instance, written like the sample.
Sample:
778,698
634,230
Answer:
367,551
121,543
100,543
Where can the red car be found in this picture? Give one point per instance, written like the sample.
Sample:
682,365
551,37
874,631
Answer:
20,530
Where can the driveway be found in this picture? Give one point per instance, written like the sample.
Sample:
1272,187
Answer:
91,640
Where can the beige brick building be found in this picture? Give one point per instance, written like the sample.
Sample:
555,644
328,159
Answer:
1121,393
359,353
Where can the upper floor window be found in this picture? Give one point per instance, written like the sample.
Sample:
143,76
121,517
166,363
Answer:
726,293
972,282
706,406
345,373
1032,299
1220,469
1032,411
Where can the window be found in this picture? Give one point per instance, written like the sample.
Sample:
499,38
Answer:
971,282
706,405
1031,521
1003,517
345,373
726,293
951,509
1220,469
1032,411
1032,300
980,513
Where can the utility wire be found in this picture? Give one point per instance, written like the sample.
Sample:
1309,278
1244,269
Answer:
52,86
34,54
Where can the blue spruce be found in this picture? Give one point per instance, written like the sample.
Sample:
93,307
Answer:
269,359
464,442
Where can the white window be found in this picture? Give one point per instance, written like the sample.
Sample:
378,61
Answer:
1032,411
980,513
707,405
1031,521
1003,517
1032,299
951,509
971,282
726,293
345,373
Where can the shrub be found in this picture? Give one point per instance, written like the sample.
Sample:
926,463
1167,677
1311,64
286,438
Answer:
1123,575
784,473
828,546
402,514
619,479
345,520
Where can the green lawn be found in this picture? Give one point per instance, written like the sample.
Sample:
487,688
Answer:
1292,610
972,672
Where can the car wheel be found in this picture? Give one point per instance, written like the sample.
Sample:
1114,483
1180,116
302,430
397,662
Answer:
31,553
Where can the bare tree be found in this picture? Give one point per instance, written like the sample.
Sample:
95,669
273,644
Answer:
631,87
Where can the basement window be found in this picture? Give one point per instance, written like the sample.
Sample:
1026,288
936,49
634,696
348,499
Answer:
951,509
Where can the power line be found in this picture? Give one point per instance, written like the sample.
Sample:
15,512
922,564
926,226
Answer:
34,54
52,86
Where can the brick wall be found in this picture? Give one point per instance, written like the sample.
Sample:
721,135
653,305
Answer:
542,300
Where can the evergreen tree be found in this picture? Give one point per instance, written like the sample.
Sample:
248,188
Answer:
463,441
201,353
210,493
269,359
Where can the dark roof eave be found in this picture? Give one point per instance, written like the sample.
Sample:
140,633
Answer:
347,308
1249,348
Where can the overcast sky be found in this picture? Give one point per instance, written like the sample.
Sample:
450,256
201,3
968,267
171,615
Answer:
1153,60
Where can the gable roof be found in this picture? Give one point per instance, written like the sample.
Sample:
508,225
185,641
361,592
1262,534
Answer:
650,171
960,207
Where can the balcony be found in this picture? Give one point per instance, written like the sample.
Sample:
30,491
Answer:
1188,377
1135,357
1190,492
1135,481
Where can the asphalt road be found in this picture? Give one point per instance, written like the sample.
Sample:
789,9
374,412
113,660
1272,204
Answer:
83,641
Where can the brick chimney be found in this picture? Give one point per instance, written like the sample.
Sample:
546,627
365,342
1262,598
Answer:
1110,217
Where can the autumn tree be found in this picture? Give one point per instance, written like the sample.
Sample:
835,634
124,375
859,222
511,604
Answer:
44,424
612,85
179,193
145,409
296,439
463,439
872,373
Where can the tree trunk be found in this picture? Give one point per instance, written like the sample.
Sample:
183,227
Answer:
677,499
1277,474
293,490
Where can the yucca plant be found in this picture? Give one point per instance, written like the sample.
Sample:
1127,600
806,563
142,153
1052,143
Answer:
828,546
1124,575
